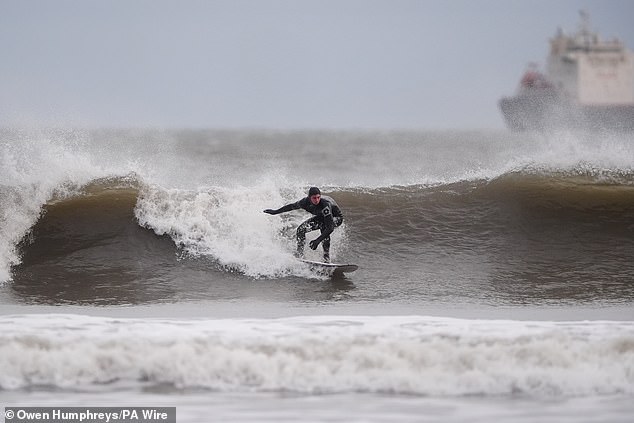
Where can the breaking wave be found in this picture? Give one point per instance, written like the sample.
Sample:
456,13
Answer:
81,194
327,354
227,225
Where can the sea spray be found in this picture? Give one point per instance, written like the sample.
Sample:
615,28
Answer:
35,167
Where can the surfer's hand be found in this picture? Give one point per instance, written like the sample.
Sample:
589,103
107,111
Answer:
269,211
314,244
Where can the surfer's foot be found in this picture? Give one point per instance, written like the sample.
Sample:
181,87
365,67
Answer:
299,254
326,258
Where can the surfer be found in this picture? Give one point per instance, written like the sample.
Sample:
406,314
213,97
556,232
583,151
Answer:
327,216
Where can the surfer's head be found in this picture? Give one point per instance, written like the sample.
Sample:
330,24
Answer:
315,195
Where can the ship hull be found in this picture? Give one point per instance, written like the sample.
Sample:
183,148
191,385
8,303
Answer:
543,113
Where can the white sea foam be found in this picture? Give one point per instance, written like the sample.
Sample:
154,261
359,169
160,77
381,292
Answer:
228,225
326,354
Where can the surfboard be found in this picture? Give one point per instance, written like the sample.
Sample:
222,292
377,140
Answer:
330,267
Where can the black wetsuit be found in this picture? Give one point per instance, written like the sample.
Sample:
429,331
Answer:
327,216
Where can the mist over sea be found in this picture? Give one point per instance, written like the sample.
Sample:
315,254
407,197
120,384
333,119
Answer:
496,274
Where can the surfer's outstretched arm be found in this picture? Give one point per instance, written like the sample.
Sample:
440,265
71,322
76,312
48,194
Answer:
284,209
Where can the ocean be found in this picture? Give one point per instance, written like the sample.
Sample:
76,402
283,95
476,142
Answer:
495,280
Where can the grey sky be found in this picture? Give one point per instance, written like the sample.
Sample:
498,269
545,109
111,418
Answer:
277,63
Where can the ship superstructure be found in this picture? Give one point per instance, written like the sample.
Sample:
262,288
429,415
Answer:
588,84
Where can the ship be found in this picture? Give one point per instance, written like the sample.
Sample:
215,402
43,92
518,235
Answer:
588,84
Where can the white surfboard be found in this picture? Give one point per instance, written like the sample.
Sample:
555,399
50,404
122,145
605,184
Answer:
330,267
